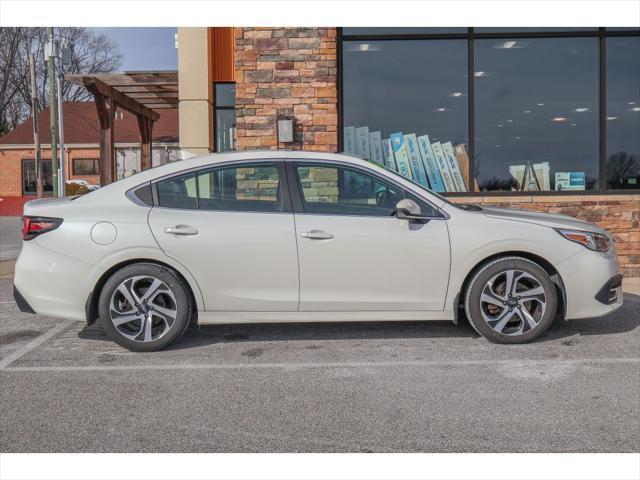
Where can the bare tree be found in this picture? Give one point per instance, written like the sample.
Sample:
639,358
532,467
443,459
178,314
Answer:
91,52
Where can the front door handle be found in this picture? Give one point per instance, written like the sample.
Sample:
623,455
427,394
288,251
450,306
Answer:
181,230
317,235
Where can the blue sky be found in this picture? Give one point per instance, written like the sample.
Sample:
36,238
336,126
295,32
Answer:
144,48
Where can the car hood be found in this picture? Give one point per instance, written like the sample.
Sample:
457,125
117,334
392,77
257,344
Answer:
547,219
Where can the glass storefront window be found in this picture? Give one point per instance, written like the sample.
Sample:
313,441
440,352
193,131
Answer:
225,116
623,112
401,30
532,29
536,114
400,98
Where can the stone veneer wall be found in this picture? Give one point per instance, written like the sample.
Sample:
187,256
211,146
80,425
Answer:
286,72
620,214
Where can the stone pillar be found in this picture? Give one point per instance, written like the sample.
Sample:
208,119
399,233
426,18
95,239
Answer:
194,91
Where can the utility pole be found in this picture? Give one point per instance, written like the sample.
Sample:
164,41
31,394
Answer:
65,61
53,110
36,126
63,162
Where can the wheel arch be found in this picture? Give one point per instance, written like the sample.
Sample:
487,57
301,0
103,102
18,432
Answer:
541,261
91,305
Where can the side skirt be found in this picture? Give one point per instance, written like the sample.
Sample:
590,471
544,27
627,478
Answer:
220,317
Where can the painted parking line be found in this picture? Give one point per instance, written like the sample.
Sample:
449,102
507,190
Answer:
315,365
49,334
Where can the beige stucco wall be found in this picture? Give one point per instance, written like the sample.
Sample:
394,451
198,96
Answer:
194,91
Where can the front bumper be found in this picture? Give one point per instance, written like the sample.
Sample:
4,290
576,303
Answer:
610,291
593,284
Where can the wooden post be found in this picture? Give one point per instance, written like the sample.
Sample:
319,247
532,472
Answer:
106,113
145,125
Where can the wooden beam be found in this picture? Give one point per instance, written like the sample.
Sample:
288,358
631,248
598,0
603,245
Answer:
145,125
122,100
159,83
106,112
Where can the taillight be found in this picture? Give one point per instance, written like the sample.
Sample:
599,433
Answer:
34,226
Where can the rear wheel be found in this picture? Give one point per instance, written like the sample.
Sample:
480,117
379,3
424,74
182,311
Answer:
144,307
511,300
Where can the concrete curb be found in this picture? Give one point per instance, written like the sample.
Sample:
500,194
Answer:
7,267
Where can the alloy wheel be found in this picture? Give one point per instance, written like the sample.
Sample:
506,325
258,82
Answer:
513,302
143,308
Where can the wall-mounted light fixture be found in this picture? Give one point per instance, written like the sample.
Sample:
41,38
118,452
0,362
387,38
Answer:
285,129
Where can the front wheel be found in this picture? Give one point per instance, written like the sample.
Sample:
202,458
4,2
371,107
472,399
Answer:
511,300
144,307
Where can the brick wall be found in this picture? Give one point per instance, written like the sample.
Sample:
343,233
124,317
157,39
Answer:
620,214
286,72
11,172
11,167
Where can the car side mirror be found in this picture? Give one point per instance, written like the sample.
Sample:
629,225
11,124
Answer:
407,209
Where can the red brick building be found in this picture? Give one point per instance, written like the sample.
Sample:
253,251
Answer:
82,150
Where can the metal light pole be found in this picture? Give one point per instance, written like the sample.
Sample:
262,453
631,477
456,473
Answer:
53,110
36,126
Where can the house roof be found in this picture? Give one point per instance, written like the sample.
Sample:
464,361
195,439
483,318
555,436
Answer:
81,126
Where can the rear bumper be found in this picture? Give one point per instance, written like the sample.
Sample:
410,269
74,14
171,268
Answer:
23,305
52,284
593,284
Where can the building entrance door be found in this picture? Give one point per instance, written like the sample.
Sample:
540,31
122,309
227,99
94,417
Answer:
29,177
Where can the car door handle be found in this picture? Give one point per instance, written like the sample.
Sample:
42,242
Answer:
181,230
317,235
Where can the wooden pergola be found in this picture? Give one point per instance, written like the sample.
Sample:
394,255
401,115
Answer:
140,93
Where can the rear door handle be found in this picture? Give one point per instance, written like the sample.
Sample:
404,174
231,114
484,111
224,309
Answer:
181,230
317,235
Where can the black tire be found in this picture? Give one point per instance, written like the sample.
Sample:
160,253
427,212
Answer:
518,328
172,293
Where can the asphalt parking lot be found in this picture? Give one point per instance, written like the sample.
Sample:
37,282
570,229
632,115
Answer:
356,387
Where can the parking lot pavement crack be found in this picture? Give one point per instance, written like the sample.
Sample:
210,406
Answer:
36,342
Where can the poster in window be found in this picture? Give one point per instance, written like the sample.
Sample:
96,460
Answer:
570,181
530,180
350,140
541,171
463,162
415,159
375,143
362,142
400,154
387,149
456,174
445,172
432,170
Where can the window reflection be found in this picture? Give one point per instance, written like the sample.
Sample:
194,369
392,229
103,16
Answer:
623,112
401,30
405,101
536,113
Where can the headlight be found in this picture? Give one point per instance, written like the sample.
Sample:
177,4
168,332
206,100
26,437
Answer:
593,241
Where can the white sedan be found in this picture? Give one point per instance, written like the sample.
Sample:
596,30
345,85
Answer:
278,236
